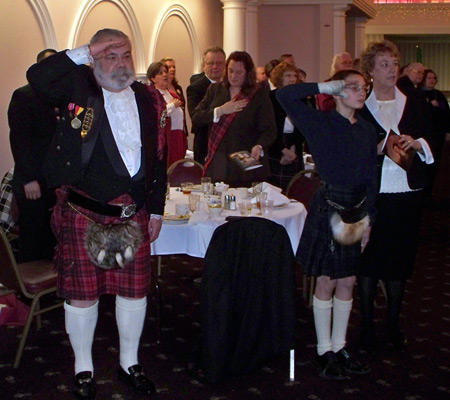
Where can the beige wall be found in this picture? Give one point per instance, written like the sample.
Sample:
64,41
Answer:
304,31
191,26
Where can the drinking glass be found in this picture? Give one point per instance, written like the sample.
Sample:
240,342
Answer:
186,187
206,185
260,197
193,202
245,208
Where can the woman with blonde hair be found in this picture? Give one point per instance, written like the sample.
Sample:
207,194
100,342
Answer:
391,252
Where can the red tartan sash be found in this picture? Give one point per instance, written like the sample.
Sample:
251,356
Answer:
219,129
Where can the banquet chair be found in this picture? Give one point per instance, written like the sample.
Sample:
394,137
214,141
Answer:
302,187
185,170
32,280
248,298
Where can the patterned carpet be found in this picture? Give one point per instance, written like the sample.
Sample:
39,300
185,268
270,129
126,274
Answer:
422,373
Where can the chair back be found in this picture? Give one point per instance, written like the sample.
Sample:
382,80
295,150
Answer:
303,186
185,170
248,297
9,274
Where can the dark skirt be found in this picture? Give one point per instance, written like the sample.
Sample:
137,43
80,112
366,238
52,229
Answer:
318,253
391,252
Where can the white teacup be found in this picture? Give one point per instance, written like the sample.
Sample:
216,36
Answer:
182,209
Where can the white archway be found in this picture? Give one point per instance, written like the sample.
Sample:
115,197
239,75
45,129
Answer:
45,22
183,14
130,16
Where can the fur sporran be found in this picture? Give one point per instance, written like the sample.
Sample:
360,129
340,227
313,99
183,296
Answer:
113,246
347,234
348,224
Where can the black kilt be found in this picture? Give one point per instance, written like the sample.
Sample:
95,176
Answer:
392,249
318,253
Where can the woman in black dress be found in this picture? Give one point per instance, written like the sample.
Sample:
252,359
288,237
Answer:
344,151
391,252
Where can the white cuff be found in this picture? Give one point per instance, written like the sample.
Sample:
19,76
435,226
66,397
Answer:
170,108
216,115
427,155
156,216
80,55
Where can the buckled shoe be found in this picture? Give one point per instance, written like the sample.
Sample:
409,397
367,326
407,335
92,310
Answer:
137,380
84,386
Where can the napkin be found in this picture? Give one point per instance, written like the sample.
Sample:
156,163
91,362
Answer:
273,193
199,216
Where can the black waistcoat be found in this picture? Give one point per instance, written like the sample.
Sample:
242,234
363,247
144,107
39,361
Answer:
106,176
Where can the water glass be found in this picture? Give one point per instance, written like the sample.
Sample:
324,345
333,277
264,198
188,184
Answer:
245,208
193,202
266,207
206,184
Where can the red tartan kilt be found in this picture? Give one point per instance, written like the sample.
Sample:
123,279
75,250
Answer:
78,277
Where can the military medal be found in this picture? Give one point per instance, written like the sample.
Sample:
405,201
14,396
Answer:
75,123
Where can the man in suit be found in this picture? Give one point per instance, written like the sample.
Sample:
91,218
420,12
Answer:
213,66
108,163
32,123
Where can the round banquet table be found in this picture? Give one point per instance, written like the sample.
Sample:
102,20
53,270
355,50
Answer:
193,239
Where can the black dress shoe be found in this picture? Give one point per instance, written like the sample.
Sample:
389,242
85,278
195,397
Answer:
350,364
329,367
137,380
369,342
84,386
399,341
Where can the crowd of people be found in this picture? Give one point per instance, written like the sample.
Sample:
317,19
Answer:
109,140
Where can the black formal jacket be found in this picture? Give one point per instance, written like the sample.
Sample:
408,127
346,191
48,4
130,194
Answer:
284,139
195,93
32,123
59,80
413,119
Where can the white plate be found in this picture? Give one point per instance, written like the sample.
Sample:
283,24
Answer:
176,219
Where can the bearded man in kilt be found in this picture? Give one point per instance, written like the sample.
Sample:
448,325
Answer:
108,165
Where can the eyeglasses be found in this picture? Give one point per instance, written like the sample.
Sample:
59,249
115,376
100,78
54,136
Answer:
114,58
356,88
211,63
418,72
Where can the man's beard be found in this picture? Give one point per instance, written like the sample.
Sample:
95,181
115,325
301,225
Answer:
117,80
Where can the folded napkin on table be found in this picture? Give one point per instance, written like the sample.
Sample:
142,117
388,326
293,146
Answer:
273,193
199,216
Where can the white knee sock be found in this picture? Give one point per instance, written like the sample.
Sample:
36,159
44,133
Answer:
130,316
341,315
322,322
80,326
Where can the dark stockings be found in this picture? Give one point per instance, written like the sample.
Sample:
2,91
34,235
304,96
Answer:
367,288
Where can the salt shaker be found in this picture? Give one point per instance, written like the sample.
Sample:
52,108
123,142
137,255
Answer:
232,202
227,201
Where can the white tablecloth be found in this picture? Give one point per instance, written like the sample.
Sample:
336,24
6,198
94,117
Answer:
194,239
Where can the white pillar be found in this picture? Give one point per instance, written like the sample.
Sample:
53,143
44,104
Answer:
360,35
233,25
339,28
252,29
